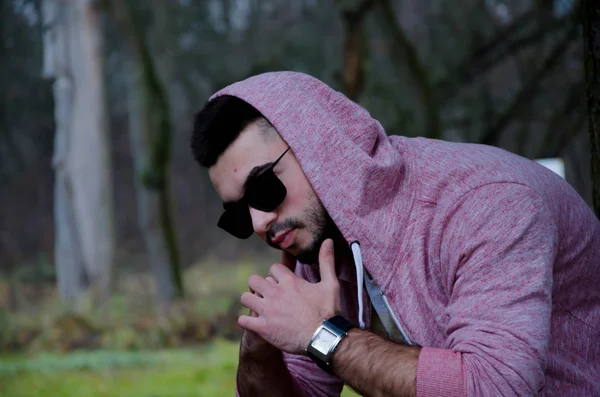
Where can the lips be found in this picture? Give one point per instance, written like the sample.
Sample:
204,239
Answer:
284,239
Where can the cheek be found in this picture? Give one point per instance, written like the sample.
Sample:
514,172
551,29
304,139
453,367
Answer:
293,199
298,198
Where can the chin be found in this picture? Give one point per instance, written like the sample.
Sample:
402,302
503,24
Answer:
294,250
306,247
308,255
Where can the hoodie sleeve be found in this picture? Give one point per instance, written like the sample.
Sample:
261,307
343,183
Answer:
496,256
309,380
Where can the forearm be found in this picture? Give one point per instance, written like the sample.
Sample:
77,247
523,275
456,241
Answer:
374,366
264,375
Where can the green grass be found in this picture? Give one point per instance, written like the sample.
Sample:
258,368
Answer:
206,371
114,370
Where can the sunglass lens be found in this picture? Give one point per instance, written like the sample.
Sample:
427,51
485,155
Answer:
266,193
237,222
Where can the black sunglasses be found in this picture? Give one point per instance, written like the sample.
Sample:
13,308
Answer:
264,191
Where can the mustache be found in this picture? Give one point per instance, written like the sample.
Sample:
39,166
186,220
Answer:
292,223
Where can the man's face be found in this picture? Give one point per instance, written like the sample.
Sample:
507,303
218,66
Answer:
300,223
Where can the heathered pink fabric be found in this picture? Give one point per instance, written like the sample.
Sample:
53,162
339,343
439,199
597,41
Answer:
490,261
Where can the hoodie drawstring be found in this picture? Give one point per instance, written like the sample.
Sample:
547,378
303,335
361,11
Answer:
358,262
378,300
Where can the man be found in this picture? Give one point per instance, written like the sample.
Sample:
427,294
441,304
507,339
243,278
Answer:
410,266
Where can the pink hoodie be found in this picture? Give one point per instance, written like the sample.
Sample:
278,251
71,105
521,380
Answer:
489,261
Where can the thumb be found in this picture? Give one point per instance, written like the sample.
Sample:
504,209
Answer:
327,262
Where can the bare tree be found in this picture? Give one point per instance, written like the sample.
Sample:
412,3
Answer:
529,89
406,52
591,37
150,133
355,48
83,187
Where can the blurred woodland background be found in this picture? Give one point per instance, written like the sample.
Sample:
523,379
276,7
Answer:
110,258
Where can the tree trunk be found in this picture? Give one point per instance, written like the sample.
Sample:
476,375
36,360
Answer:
150,133
68,256
591,38
405,53
84,240
355,49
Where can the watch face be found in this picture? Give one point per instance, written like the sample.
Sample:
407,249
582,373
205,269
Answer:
324,340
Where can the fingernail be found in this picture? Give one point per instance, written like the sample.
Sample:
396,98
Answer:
329,243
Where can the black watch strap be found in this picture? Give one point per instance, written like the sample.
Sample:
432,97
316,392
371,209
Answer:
344,326
341,323
322,364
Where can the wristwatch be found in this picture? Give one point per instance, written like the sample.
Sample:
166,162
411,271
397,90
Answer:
325,339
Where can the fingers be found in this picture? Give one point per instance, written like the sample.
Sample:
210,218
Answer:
259,285
327,262
252,302
279,272
254,292
250,323
271,280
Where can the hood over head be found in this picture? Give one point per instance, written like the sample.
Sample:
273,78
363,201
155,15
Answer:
354,168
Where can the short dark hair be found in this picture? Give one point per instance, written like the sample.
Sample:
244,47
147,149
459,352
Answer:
217,125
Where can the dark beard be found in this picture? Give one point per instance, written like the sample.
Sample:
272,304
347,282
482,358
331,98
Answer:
321,227
324,228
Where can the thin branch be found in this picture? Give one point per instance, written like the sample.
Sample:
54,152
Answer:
528,91
520,23
406,52
485,49
489,55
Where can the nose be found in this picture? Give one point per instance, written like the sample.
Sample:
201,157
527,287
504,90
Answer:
261,221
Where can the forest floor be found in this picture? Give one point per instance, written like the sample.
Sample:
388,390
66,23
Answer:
126,350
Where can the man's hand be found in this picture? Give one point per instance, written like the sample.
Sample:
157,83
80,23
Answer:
261,371
289,308
252,344
255,346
